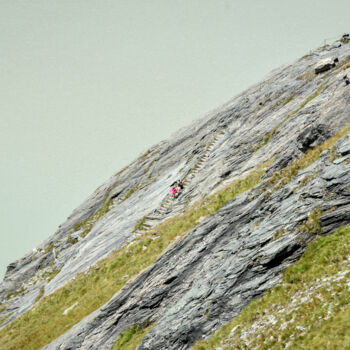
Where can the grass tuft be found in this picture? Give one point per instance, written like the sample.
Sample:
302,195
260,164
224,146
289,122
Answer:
71,240
16,292
313,223
3,319
132,337
141,225
41,294
49,248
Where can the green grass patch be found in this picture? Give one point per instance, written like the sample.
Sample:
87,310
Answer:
313,223
71,240
41,294
287,100
50,275
136,188
308,310
332,154
345,63
49,248
93,288
149,166
307,179
21,290
141,225
332,334
3,319
132,337
146,154
2,307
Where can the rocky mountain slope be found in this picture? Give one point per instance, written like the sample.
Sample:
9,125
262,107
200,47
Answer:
264,175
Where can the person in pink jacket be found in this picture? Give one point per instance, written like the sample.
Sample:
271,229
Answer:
174,191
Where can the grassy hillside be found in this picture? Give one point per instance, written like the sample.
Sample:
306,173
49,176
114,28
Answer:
310,309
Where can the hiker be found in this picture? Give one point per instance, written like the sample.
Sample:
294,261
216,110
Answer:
180,184
174,192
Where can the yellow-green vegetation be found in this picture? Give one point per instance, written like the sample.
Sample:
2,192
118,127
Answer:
132,337
146,154
308,76
45,322
2,307
310,309
332,334
71,240
345,63
305,180
3,319
15,293
313,224
285,175
141,225
87,224
149,166
132,191
267,137
49,248
332,154
330,210
287,100
41,294
279,234
136,188
50,275
323,47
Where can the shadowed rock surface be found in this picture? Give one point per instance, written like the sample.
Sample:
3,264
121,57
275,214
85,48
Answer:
205,278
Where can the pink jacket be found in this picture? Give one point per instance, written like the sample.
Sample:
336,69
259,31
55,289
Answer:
173,190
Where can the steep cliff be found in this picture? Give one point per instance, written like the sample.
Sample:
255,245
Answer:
264,175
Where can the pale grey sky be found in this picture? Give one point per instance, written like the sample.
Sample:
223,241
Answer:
86,86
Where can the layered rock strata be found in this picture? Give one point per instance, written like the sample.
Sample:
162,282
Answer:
230,257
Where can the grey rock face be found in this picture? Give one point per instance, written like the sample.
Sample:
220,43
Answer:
313,136
326,65
229,258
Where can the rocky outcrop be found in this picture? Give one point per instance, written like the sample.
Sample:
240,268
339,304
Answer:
313,136
205,278
223,263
